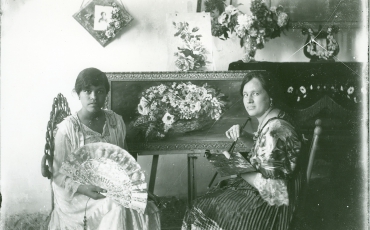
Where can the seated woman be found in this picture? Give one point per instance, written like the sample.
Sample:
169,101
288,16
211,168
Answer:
266,198
92,124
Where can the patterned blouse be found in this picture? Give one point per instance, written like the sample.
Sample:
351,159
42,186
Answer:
274,155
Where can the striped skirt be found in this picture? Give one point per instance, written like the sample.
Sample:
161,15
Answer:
234,204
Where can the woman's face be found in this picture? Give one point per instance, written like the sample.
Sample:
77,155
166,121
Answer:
255,98
93,98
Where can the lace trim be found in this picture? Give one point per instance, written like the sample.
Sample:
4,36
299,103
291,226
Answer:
127,190
274,191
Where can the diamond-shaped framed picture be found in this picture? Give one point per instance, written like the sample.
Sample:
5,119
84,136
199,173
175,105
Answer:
103,19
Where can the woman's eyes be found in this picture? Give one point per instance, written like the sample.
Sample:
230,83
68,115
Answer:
98,92
253,94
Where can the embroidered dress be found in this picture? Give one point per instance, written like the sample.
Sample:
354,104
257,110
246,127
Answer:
70,206
234,204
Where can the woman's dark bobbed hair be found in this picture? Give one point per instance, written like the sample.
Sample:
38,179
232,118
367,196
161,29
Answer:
268,82
89,77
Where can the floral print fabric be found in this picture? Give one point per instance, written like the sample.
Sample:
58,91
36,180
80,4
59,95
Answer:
274,155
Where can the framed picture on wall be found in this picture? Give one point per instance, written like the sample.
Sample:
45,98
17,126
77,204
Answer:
345,14
103,19
218,5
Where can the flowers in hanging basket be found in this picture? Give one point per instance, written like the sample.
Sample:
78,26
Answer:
177,107
262,24
191,55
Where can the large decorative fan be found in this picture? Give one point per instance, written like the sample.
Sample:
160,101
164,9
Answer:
112,168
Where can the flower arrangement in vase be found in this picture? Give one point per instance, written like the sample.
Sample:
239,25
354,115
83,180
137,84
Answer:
253,30
177,108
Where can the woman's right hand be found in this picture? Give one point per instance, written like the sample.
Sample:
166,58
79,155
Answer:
233,132
91,191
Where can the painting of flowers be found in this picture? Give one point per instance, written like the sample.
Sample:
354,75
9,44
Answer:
177,107
190,44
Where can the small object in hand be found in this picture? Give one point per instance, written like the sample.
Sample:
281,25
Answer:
227,154
104,193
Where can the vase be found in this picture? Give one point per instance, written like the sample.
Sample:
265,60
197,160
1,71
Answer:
249,46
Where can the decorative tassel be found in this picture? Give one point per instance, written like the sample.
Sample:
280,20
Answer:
85,219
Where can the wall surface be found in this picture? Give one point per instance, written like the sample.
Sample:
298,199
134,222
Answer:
43,49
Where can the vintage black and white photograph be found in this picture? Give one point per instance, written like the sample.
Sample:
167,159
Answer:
184,115
103,16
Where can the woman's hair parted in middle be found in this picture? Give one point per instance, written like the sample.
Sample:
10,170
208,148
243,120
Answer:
268,82
91,76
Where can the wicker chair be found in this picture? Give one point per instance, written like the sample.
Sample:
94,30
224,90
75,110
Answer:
59,111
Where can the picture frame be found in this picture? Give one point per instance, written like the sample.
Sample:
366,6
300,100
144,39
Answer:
103,19
124,97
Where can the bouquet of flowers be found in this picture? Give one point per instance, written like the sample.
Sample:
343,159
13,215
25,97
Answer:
253,30
192,53
177,107
119,19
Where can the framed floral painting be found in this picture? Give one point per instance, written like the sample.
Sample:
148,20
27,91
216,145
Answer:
189,42
103,19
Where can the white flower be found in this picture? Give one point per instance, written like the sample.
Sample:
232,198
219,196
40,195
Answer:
231,10
143,106
298,98
245,21
109,33
117,24
161,88
240,31
282,19
195,107
302,89
153,106
311,87
222,19
355,100
168,119
253,32
115,10
350,90
290,89
318,87
341,88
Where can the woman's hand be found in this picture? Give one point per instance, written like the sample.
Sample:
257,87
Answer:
233,132
91,191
